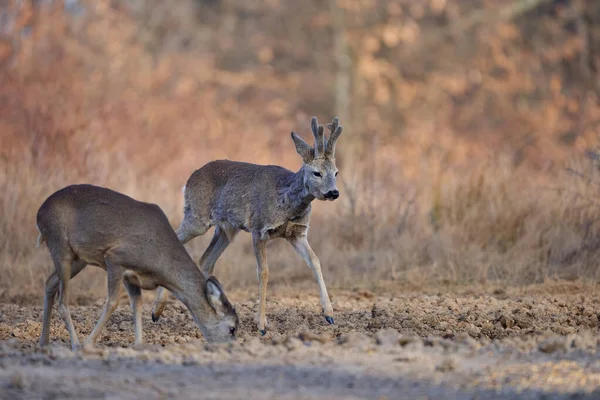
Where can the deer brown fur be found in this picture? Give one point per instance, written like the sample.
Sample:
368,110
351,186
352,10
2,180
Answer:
267,201
136,245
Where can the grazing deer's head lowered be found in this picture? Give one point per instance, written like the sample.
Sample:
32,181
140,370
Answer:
320,171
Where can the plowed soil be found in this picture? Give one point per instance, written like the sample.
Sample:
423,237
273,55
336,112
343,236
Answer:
536,342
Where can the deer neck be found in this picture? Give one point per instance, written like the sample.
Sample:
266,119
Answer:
189,289
296,196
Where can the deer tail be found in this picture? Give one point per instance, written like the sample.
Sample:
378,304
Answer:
40,238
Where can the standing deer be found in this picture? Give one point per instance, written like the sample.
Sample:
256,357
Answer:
135,243
268,201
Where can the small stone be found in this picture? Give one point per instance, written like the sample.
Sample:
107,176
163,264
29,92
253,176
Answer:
190,361
293,343
410,340
584,340
313,337
466,340
553,344
523,322
367,294
355,339
474,331
387,337
59,352
506,321
447,365
19,381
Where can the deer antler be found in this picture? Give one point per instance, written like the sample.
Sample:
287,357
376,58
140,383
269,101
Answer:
336,130
317,131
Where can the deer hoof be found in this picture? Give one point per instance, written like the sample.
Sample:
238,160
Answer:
155,318
263,332
329,320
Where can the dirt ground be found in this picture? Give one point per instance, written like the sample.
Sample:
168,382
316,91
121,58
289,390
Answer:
535,342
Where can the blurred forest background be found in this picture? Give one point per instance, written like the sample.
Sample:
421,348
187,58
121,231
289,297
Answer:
468,154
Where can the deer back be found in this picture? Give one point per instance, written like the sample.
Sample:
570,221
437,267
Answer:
93,221
248,196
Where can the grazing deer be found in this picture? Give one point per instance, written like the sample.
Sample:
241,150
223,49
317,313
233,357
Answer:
266,200
135,243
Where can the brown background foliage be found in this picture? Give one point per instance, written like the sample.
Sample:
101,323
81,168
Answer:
467,155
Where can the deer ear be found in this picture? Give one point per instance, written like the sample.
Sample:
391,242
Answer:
215,296
302,147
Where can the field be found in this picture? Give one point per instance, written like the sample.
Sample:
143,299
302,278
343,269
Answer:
486,342
462,254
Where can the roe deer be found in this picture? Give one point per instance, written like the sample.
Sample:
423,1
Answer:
266,200
135,243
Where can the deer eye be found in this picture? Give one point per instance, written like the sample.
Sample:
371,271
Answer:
317,174
232,331
337,172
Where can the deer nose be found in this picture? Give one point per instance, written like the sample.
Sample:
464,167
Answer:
332,194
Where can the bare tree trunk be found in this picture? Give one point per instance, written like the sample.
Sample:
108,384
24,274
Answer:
342,62
343,68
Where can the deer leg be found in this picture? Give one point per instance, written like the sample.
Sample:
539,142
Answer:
63,269
135,300
52,284
210,248
260,251
301,245
159,303
186,232
114,276
217,246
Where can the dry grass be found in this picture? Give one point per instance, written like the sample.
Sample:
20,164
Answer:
409,211
494,223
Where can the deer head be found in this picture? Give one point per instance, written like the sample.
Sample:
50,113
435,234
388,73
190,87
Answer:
319,167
